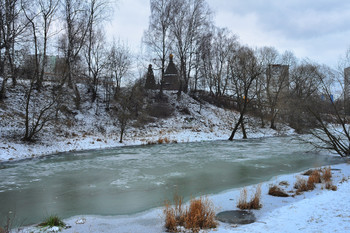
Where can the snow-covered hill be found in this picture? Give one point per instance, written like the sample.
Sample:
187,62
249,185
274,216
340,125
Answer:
92,127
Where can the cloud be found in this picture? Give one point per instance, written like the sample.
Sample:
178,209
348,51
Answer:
129,21
317,29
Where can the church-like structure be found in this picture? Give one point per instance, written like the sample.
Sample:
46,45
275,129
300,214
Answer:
171,80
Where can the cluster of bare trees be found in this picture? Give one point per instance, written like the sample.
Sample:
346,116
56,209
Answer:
261,81
70,32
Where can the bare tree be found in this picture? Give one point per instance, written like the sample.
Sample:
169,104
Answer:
77,23
119,63
96,58
224,45
39,108
303,91
157,37
244,70
332,131
191,19
99,11
206,64
40,20
11,27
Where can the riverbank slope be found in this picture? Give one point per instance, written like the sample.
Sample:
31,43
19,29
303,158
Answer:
190,121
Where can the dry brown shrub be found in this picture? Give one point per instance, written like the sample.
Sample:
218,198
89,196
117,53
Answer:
199,215
170,217
302,185
166,140
277,191
330,186
160,140
254,203
315,177
327,174
242,203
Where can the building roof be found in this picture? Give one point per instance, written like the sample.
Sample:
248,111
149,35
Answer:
171,69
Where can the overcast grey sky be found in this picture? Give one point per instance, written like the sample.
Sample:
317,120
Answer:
317,29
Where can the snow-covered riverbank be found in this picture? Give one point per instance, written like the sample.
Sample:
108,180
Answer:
320,210
202,122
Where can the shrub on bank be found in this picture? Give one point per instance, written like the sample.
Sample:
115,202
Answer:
199,215
254,202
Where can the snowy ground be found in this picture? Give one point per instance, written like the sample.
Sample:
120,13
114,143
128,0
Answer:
320,210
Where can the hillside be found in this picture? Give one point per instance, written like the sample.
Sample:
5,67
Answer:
92,127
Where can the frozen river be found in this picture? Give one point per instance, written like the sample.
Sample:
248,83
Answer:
133,179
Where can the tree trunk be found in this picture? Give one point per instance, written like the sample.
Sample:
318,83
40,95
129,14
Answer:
121,134
243,130
236,127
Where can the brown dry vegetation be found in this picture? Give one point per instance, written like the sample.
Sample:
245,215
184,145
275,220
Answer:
329,185
315,177
327,174
276,191
302,185
199,215
254,203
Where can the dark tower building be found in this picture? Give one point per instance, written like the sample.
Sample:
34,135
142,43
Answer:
171,77
150,81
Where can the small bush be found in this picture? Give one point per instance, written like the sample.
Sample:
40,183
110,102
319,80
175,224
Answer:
166,140
160,140
170,217
277,191
199,215
52,221
254,203
330,186
327,174
302,185
315,177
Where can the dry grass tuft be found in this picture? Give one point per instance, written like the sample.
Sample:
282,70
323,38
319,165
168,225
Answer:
330,186
327,174
254,203
302,185
242,203
160,140
166,140
315,177
199,215
277,191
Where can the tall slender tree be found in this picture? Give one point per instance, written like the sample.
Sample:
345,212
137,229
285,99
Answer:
245,68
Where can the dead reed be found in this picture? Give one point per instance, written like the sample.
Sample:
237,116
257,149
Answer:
254,202
199,215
